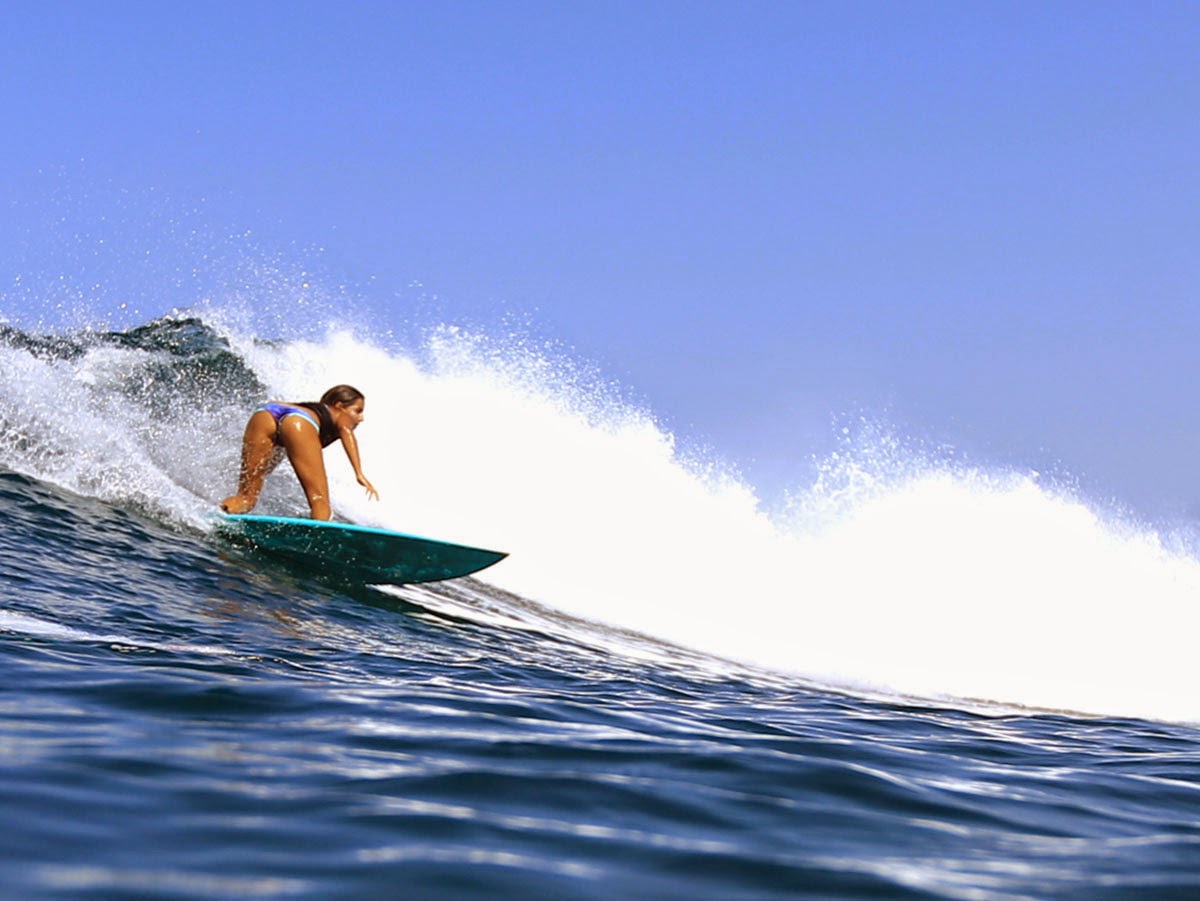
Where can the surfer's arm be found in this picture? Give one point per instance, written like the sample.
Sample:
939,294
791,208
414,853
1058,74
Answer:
350,443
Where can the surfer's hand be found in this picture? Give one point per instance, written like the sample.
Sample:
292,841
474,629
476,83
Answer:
371,492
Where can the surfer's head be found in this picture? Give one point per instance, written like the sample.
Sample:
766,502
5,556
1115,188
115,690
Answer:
341,396
346,398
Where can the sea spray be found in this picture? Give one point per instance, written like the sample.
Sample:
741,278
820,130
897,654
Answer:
80,413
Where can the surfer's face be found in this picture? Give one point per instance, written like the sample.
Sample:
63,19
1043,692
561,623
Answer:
355,411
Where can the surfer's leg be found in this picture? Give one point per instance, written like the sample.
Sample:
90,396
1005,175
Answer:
259,457
303,445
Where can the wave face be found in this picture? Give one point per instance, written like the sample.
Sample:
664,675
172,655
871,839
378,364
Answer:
893,571
240,729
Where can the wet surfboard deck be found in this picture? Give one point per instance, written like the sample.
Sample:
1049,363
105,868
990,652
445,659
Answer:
359,553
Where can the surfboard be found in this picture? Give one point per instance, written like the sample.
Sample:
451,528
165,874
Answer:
360,553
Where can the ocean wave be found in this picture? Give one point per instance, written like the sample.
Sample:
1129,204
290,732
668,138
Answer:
895,570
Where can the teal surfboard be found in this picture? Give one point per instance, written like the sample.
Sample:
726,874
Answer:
358,553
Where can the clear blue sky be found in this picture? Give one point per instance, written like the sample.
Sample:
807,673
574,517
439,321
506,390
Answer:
978,218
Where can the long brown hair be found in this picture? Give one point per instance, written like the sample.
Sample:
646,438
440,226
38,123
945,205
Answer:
344,395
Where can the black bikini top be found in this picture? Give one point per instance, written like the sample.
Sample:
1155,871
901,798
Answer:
329,429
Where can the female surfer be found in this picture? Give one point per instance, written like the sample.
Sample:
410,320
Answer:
302,431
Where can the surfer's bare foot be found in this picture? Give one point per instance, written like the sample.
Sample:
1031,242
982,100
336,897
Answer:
236,504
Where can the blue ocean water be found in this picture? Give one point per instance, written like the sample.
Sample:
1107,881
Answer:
184,718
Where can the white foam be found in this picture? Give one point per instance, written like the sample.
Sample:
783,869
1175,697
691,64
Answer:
11,621
930,578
